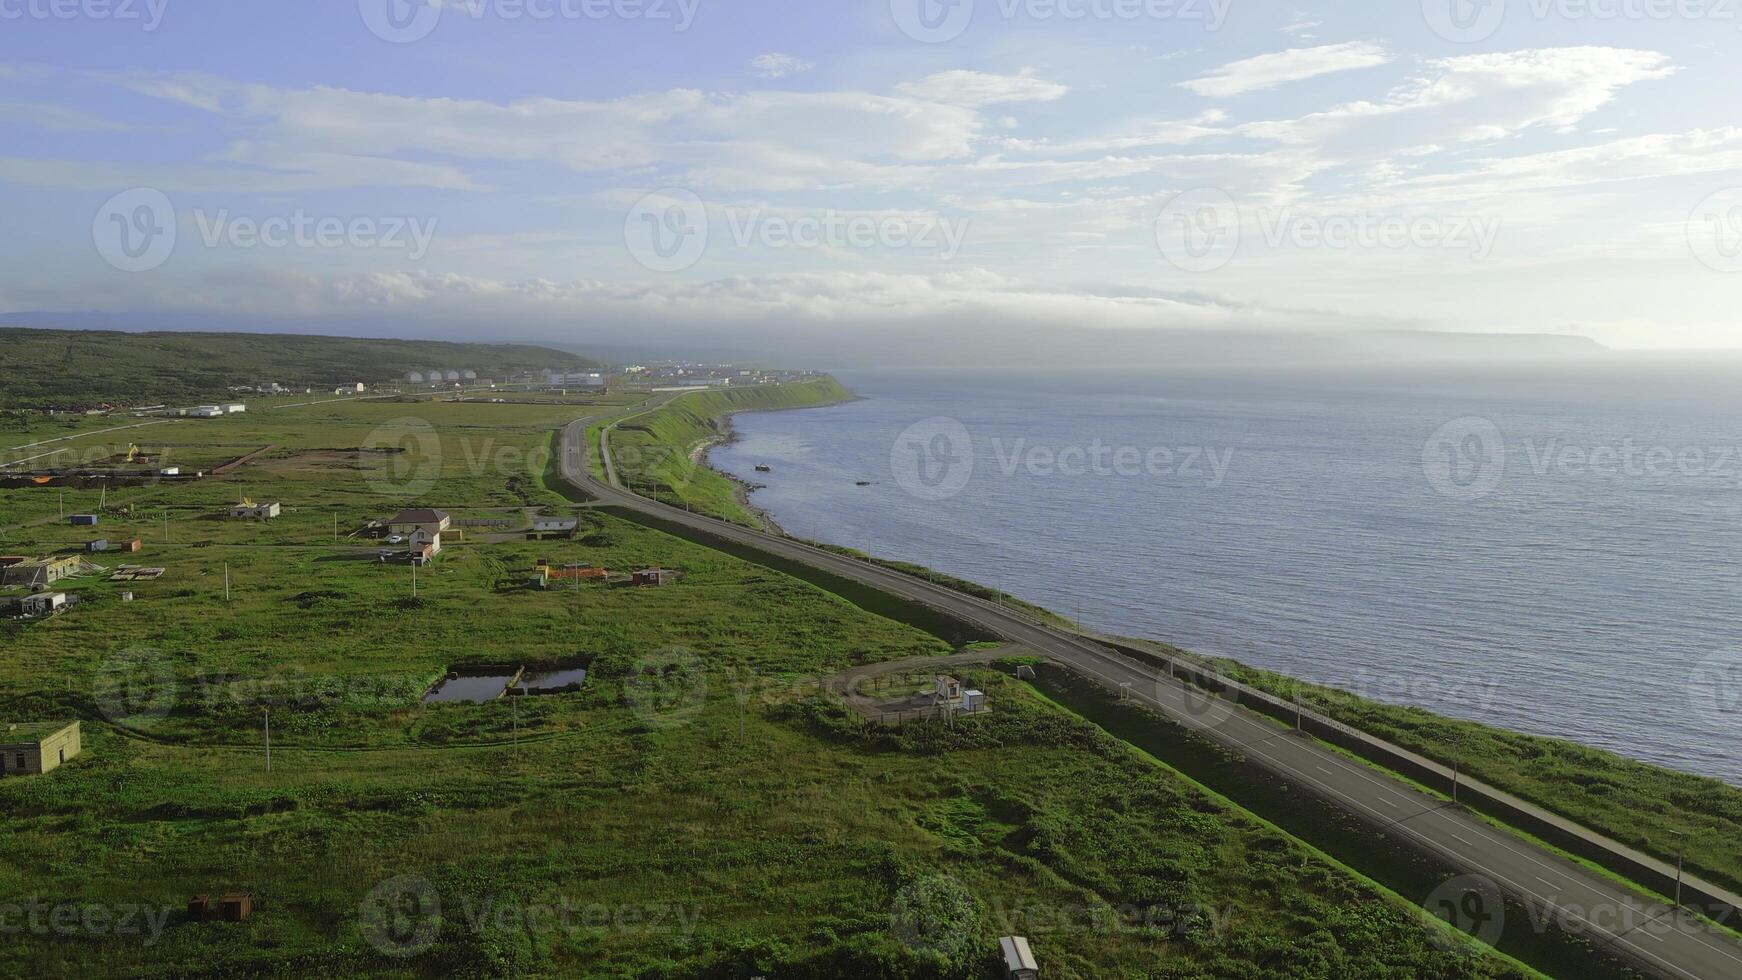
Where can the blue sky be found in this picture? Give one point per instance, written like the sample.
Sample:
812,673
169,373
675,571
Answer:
1557,166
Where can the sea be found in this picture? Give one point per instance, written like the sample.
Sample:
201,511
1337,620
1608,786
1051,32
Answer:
1551,549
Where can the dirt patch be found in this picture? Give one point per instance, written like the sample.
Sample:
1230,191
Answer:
314,459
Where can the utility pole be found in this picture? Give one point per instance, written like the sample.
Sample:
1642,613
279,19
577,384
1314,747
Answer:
268,739
226,581
414,579
1455,767
1681,840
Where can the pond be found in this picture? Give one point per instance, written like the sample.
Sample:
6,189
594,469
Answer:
483,687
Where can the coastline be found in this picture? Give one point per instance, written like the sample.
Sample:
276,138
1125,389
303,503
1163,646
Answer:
702,454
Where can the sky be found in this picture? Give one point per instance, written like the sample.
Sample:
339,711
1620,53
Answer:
562,169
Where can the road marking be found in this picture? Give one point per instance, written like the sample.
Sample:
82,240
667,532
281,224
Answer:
1464,842
1388,802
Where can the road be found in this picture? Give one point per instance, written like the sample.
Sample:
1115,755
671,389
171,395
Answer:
1651,934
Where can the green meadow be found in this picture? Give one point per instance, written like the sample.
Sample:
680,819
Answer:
696,809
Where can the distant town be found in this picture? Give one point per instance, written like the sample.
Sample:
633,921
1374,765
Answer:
458,380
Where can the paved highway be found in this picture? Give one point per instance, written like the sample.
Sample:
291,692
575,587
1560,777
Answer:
1651,934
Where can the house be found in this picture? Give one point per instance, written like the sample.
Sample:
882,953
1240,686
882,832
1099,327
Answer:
33,748
425,540
1019,961
653,577
248,510
206,411
407,521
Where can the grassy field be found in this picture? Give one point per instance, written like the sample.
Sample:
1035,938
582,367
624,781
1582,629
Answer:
696,810
71,368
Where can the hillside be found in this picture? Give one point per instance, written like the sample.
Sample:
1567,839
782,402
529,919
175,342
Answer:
80,368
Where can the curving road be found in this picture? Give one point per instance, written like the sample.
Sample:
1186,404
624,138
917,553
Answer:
1654,936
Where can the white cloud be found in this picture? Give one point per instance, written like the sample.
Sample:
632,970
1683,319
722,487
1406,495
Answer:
978,88
778,65
1474,97
1267,71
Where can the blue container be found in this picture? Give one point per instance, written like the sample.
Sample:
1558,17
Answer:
84,520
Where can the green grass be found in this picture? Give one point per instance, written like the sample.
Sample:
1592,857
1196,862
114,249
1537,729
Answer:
76,368
697,779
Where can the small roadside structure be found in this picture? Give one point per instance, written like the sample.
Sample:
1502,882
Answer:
34,748
1019,961
248,510
407,521
653,577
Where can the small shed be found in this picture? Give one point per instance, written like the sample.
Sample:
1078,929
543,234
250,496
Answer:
236,906
83,520
1019,962
653,577
101,544
132,544
43,603
37,747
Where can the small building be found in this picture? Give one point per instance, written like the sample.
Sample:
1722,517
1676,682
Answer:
414,377
407,521
1019,961
235,408
42,603
33,748
653,577
101,544
248,510
425,540
236,906
206,411
83,520
946,690
40,573
553,527
130,545
973,701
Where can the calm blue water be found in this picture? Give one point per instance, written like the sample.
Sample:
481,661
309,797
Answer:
1562,559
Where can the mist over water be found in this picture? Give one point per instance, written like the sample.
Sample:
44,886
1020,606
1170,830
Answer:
1553,551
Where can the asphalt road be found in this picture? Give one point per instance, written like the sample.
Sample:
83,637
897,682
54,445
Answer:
1653,935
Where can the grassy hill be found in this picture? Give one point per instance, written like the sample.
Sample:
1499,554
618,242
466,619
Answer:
83,368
